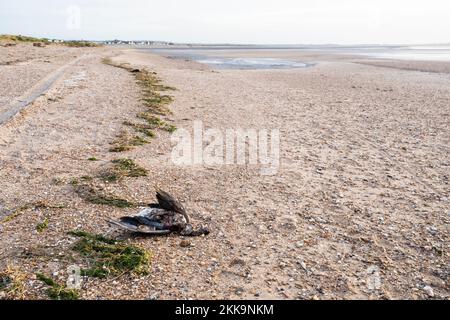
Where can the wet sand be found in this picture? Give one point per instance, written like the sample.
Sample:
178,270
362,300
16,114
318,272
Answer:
362,191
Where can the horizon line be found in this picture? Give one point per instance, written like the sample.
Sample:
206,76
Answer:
238,44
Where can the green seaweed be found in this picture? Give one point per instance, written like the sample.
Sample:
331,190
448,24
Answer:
129,168
124,142
107,256
40,227
122,168
93,195
56,290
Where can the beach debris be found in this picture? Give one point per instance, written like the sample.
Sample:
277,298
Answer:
303,265
162,218
429,291
237,262
185,243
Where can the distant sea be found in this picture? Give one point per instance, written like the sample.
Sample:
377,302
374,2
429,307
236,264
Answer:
219,59
421,53
203,54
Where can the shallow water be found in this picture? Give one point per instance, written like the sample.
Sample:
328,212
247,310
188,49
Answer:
221,62
412,53
216,56
251,63
419,55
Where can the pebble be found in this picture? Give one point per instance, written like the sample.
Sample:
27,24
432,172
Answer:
239,291
429,290
433,230
154,296
185,243
303,265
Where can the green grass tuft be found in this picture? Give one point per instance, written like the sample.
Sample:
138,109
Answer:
40,227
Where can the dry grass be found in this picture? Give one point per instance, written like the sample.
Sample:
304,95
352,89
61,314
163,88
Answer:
12,283
40,227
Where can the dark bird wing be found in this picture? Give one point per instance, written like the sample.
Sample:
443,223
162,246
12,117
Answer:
169,203
138,220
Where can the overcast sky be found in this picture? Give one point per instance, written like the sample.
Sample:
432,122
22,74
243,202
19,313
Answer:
232,21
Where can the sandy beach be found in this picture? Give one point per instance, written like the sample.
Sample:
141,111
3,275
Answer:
359,207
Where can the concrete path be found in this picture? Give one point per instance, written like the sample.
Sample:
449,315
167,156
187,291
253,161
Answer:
35,92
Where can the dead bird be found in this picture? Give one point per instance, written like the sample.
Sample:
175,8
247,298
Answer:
166,216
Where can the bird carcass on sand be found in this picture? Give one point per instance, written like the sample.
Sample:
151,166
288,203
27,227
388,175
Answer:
166,216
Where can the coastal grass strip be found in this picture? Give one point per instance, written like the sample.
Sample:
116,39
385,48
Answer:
25,39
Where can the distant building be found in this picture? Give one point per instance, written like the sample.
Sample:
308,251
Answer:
137,42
